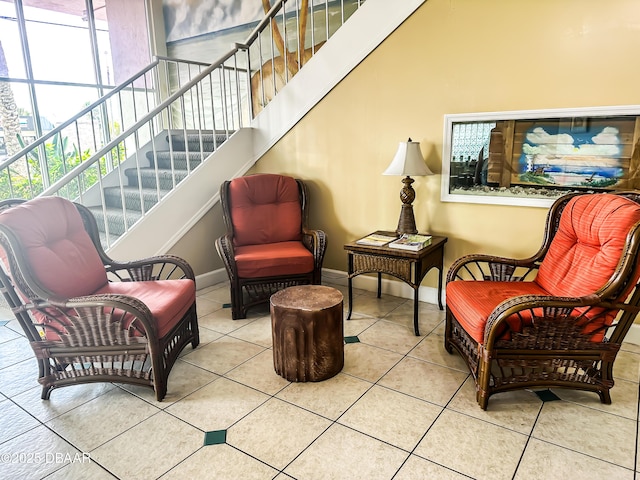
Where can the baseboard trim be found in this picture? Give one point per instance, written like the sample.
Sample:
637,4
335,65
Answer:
211,278
389,286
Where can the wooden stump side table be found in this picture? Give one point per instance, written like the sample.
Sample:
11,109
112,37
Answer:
308,338
406,265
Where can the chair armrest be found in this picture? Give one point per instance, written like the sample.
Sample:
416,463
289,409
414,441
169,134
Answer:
567,312
99,320
316,243
224,247
161,267
492,268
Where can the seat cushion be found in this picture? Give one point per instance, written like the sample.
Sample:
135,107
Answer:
273,259
168,300
265,208
591,238
59,251
471,302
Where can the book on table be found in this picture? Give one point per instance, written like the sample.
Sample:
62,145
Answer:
413,242
375,240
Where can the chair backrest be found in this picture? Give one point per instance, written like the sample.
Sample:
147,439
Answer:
588,245
47,237
264,208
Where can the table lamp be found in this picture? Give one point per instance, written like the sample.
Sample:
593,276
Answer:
407,161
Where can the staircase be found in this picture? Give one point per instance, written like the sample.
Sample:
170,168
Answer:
170,161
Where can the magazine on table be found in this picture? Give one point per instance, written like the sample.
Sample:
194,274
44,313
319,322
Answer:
375,240
412,242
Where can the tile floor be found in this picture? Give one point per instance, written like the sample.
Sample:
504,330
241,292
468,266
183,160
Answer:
402,408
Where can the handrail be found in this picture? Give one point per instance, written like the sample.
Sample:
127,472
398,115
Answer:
263,23
98,113
126,84
176,120
82,112
140,123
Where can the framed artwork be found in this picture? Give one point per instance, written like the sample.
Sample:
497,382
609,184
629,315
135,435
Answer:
532,157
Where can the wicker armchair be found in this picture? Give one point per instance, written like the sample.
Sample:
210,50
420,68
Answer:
89,318
556,319
267,246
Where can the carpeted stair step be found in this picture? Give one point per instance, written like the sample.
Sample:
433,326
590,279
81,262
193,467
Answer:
148,177
209,141
113,197
103,239
163,159
199,146
115,219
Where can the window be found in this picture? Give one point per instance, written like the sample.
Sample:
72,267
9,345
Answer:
78,50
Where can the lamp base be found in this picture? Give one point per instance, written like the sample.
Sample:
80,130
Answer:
407,222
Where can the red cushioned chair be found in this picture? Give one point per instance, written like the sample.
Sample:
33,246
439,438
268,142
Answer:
556,319
267,246
88,317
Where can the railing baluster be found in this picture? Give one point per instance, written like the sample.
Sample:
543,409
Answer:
238,98
225,113
300,48
138,164
249,88
273,65
263,100
326,18
285,49
102,193
213,116
313,29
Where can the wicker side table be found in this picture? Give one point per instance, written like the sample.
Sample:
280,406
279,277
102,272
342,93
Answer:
406,265
308,339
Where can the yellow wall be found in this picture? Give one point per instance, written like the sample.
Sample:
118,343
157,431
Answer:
454,56
451,56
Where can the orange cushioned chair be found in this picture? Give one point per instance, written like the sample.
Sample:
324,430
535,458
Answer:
87,317
267,246
556,319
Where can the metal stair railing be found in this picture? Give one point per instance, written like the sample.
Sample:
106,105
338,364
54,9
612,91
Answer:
193,119
40,163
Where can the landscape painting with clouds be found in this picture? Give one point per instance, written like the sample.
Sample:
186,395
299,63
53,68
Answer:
562,157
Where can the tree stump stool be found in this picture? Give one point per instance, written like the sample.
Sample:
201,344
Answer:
308,340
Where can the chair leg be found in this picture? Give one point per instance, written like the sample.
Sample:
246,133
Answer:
605,396
237,310
238,313
46,392
482,399
483,379
161,389
447,333
194,328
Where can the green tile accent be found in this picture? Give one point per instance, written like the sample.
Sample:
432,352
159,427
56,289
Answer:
226,305
547,395
3,322
215,437
351,340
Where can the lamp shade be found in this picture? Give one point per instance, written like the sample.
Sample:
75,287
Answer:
408,161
